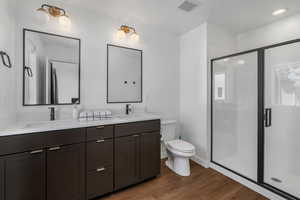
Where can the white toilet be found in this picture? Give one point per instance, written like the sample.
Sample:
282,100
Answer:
178,151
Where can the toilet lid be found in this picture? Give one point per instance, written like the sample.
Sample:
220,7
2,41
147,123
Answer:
182,146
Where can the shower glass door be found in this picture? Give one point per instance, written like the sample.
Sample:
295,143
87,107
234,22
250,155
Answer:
282,118
234,113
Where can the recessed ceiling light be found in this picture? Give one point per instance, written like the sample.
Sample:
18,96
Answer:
279,12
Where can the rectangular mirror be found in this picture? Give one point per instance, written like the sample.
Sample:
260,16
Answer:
51,69
124,74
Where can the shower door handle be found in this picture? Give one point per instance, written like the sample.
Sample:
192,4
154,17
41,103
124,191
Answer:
268,117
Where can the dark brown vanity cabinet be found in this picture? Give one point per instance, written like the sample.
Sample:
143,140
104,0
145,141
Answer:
127,161
137,152
150,154
99,161
78,164
1,179
65,172
43,166
66,165
23,176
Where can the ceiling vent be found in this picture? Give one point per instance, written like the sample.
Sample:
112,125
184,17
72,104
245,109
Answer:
189,5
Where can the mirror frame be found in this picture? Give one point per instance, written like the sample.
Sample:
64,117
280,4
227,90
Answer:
107,76
79,66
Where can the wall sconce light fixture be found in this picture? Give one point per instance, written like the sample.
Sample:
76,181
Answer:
128,30
48,10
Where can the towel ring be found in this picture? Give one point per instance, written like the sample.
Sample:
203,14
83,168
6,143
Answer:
5,57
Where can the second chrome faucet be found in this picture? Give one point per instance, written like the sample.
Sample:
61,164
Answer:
52,113
128,109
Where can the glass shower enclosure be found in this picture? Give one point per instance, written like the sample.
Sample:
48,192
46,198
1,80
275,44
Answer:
255,106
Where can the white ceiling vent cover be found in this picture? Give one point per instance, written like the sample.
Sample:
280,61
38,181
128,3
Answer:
189,5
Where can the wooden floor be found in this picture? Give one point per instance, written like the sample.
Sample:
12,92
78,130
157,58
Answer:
203,184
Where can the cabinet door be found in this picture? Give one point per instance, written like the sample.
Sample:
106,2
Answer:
25,176
127,161
65,172
1,179
150,155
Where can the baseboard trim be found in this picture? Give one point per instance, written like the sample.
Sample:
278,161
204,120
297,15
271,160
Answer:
200,161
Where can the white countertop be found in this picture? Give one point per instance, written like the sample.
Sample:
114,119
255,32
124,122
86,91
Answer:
44,126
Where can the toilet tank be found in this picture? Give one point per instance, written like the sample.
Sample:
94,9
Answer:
168,130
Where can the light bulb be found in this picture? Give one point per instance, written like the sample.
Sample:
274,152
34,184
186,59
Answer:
121,34
64,21
135,36
279,11
42,16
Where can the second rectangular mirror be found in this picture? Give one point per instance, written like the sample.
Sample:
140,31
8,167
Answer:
124,74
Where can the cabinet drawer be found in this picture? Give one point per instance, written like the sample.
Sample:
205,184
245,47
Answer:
65,137
136,127
99,154
99,182
100,132
21,143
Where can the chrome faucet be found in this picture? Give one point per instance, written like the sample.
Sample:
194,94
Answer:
52,113
128,109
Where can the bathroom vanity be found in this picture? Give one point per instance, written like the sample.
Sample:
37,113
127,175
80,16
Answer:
78,160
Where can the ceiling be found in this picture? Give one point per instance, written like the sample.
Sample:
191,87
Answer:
236,15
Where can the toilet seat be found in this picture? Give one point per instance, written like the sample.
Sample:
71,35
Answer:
181,146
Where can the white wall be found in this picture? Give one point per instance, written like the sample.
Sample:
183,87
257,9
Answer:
280,31
193,90
7,100
220,41
160,66
197,47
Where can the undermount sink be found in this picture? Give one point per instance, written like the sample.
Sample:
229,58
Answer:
126,116
48,123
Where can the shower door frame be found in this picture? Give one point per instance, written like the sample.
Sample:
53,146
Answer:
260,117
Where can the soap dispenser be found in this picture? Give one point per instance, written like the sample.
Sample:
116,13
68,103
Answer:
75,109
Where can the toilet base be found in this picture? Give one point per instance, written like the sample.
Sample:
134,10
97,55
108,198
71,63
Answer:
179,165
